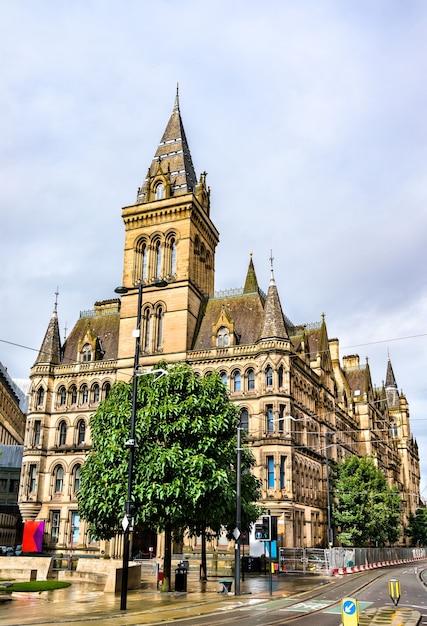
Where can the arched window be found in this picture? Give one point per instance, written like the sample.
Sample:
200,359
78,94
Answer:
76,485
269,376
62,433
84,394
86,353
59,478
95,393
40,396
160,191
106,390
237,381
251,380
73,393
62,396
244,420
144,261
146,337
223,377
158,259
270,418
222,337
81,432
280,376
159,329
172,268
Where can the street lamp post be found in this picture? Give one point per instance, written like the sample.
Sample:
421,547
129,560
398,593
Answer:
131,444
238,529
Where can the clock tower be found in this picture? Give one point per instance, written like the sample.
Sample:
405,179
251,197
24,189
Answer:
169,240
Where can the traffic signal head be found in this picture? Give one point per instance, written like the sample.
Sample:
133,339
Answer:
263,529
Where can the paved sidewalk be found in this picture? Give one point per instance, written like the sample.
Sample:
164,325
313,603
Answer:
83,605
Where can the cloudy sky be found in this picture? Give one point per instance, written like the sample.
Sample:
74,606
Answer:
309,117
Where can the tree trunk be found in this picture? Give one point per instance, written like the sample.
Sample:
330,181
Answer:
166,584
203,566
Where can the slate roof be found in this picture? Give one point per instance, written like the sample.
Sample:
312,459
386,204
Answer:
106,329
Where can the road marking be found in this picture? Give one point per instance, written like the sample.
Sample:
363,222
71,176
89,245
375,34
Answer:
307,607
337,609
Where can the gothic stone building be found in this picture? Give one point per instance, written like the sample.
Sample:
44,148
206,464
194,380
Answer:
301,407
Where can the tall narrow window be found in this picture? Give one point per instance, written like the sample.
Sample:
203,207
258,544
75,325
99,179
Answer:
59,479
269,376
160,191
280,376
56,519
106,389
40,396
32,478
144,260
95,393
158,257
270,418
251,380
77,478
37,432
62,396
172,269
237,381
73,394
223,376
281,418
84,394
62,433
147,322
159,329
244,420
270,472
81,432
75,527
282,471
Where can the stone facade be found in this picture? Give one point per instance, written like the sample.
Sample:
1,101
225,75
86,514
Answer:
300,406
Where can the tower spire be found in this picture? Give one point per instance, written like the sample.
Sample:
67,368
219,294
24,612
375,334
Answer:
50,351
274,326
172,164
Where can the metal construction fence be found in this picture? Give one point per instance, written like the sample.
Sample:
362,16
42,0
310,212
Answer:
342,560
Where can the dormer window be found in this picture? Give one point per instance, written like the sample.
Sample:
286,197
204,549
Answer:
223,337
86,353
160,191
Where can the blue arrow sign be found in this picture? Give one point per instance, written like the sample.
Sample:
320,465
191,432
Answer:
349,607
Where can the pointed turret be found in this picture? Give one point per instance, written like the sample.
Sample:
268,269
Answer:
251,282
391,390
274,326
171,172
50,351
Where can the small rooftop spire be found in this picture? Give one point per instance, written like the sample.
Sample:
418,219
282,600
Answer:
271,268
176,105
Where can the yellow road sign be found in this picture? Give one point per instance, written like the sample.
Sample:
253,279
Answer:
349,612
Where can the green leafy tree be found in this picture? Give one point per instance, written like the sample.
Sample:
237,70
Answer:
417,527
365,509
184,469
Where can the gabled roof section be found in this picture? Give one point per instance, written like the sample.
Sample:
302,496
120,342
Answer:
246,312
172,160
50,351
102,323
273,326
